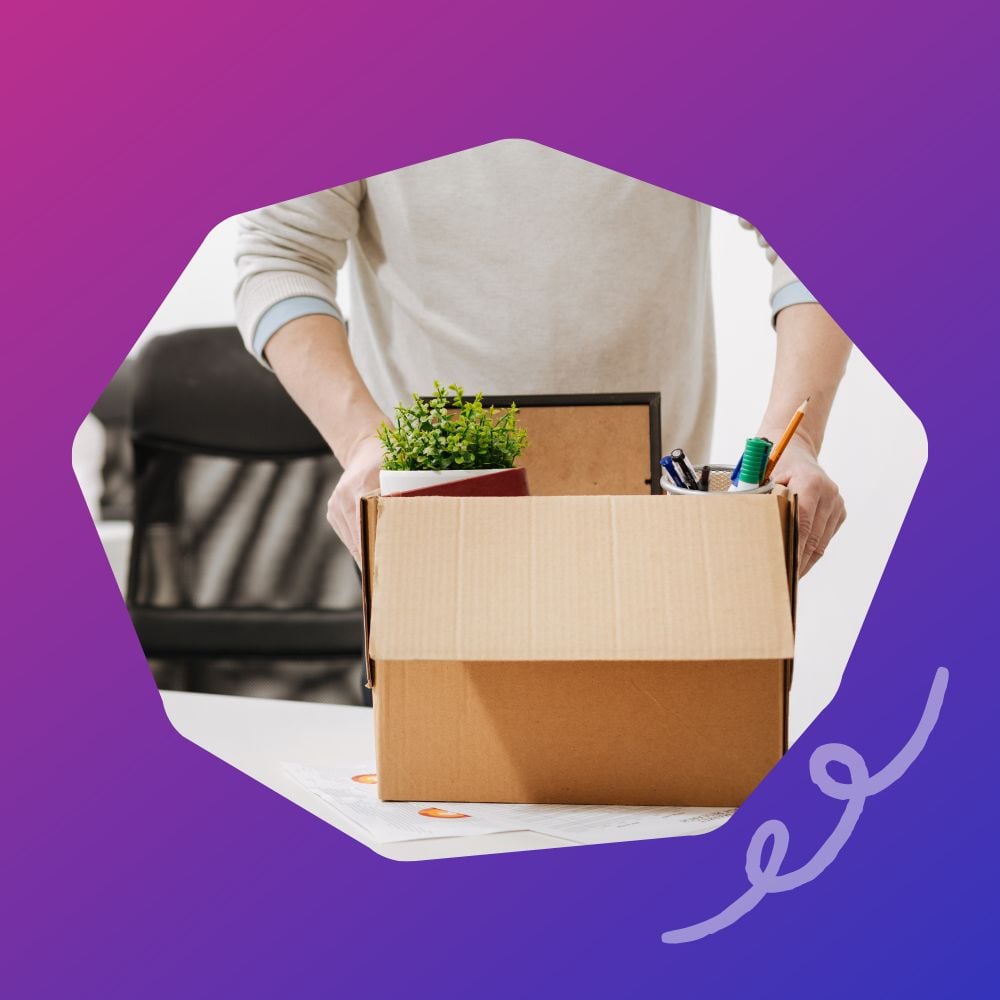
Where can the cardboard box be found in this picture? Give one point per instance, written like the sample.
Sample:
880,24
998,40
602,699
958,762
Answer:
631,650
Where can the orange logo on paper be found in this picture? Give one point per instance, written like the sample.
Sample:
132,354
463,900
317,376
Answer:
436,813
365,779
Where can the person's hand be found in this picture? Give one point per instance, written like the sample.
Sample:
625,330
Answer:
821,507
360,476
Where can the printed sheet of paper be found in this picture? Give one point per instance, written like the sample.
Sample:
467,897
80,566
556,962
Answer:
599,824
352,792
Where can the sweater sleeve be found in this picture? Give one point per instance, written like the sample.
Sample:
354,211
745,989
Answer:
786,289
292,251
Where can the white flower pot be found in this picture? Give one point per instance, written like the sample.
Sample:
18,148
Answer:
394,481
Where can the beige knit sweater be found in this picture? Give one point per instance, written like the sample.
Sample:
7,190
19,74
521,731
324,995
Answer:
510,268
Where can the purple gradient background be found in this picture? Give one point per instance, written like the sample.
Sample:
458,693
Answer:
861,140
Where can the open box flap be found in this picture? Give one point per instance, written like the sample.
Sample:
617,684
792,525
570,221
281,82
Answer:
580,578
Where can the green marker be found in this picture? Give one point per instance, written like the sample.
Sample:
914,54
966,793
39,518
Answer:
754,456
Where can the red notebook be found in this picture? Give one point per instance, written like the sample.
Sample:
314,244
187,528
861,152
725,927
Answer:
502,483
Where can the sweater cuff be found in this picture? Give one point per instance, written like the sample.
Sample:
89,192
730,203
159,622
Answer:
284,312
791,294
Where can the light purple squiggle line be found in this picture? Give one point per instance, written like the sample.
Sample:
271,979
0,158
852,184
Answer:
765,879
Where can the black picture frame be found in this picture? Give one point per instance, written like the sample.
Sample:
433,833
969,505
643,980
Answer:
651,400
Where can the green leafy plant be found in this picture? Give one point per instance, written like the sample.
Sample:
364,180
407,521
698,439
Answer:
451,432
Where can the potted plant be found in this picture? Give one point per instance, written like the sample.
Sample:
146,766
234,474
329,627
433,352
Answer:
447,438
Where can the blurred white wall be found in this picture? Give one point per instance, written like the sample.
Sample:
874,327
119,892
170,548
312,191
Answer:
203,294
877,482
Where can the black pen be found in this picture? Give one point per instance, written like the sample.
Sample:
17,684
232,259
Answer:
684,466
703,481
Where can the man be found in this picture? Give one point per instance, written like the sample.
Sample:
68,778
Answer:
515,269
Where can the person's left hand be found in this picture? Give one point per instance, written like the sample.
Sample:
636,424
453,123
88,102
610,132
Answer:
821,507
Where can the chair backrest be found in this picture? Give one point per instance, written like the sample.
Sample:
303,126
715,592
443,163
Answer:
231,486
114,410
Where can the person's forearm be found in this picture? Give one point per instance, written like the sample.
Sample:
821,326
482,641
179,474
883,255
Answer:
811,357
311,358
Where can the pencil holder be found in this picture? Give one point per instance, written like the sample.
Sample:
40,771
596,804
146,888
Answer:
719,481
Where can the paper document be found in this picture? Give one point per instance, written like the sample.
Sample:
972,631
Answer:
350,792
353,792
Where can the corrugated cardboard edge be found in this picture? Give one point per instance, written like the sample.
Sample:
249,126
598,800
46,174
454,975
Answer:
368,518
791,532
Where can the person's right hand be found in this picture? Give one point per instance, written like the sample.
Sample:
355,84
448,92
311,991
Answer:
360,476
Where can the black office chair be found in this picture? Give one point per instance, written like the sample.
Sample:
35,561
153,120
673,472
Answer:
114,410
237,584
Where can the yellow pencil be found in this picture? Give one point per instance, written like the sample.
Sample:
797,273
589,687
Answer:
792,427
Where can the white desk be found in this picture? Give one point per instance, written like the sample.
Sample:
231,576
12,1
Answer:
257,735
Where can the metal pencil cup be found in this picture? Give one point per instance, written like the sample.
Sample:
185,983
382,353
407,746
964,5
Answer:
719,481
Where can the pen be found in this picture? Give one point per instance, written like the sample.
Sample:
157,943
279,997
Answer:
735,477
684,467
668,464
703,481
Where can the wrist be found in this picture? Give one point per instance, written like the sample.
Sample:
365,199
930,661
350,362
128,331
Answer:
801,442
363,438
353,418
801,451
